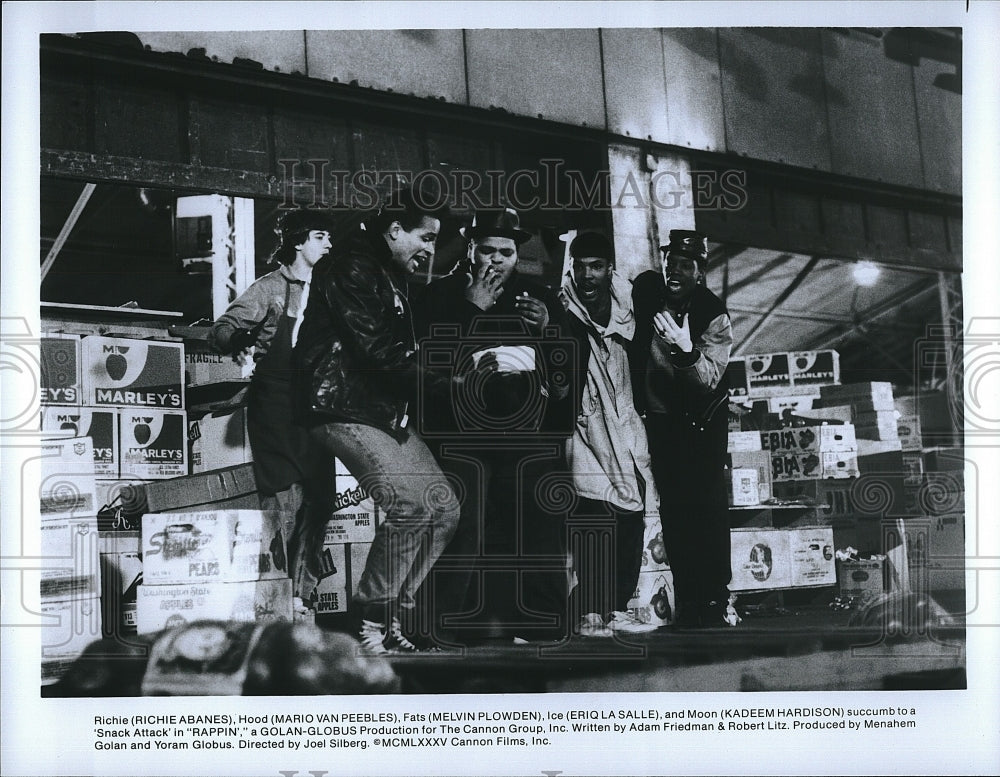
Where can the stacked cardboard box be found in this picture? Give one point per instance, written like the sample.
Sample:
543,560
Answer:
811,452
769,559
225,565
348,538
70,580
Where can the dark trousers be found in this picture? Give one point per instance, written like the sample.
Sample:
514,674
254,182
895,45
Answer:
606,544
504,572
688,469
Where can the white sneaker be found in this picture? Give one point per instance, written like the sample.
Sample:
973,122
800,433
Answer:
626,622
396,641
592,625
372,638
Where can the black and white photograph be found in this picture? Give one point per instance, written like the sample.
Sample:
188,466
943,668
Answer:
511,388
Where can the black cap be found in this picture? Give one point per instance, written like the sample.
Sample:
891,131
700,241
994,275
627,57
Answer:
591,244
305,220
496,222
687,242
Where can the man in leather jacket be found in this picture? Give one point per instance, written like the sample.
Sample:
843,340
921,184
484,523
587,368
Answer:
505,572
359,377
679,357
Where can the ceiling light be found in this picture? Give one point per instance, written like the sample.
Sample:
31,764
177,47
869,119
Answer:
866,273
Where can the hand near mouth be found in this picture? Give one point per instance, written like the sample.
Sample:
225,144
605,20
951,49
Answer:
676,334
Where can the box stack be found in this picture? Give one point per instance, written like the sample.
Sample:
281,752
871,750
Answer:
348,538
772,559
70,585
871,409
225,565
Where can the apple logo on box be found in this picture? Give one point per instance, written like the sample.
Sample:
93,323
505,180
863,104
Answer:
116,364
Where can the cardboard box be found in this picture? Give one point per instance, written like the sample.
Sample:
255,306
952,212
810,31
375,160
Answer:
908,431
121,504
768,375
878,393
219,546
59,357
67,488
760,461
744,490
760,559
736,379
797,404
833,414
839,464
72,565
814,368
332,590
219,440
796,466
153,444
877,425
165,606
876,447
121,575
231,488
799,439
864,579
812,559
68,626
350,526
101,426
653,600
743,441
203,366
120,372
832,496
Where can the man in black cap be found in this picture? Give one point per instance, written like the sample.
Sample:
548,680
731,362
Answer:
503,441
264,321
679,356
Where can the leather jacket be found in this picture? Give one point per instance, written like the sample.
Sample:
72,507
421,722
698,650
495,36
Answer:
356,352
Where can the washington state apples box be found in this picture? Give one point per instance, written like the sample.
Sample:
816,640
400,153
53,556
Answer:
332,589
219,440
811,556
100,425
768,374
153,443
166,606
653,599
220,546
654,551
355,517
814,368
59,356
69,626
878,393
121,372
799,439
862,578
70,549
67,488
761,462
760,559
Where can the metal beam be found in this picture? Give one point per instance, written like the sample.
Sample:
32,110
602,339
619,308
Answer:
67,227
774,264
796,282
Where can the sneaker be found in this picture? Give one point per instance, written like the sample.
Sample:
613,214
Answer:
372,638
626,622
397,642
592,625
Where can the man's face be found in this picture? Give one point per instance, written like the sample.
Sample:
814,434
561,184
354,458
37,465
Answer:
682,275
500,252
592,276
413,248
315,247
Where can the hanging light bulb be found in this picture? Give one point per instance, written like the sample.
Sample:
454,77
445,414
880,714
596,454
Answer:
866,273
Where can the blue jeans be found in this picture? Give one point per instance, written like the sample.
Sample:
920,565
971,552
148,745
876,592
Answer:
418,506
